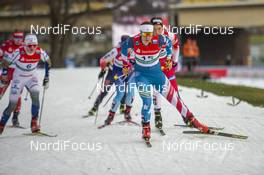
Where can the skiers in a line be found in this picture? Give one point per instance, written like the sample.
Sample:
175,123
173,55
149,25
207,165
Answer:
147,60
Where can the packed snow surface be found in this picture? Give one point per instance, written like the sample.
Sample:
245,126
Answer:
80,148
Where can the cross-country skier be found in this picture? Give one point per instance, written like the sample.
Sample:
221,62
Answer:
25,59
106,63
147,49
8,48
168,66
122,78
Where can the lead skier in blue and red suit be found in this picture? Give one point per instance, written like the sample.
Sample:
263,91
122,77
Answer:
148,75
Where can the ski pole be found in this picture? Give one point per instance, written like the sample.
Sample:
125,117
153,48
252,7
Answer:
96,116
42,104
118,77
26,98
3,87
115,91
109,99
92,92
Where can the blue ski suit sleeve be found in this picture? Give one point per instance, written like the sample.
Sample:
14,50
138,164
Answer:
47,68
164,40
125,46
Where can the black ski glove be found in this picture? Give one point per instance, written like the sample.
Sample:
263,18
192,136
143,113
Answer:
46,83
101,74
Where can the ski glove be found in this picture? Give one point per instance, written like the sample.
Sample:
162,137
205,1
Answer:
46,83
101,74
4,78
174,64
168,64
126,68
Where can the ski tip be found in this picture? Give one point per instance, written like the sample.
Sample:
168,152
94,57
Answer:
162,133
40,134
217,133
85,116
18,127
147,142
100,127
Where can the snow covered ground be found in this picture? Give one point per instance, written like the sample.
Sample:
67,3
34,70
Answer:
251,82
119,149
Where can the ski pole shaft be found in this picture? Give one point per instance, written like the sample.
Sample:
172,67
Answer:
92,92
42,104
109,99
124,75
118,77
26,97
96,116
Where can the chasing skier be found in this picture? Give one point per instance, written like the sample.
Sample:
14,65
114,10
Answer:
122,79
106,64
25,59
168,66
8,48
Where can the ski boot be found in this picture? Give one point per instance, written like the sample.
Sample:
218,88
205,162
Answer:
34,125
122,108
110,118
93,111
15,120
127,115
146,131
187,122
191,121
158,119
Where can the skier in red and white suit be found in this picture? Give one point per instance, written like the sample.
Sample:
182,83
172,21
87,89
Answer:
168,66
7,49
25,59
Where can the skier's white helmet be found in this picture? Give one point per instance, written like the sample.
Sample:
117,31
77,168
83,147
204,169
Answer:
146,27
31,39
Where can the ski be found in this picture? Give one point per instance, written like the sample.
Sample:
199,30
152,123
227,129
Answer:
128,122
40,134
216,133
162,132
147,142
86,116
102,126
18,127
210,127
